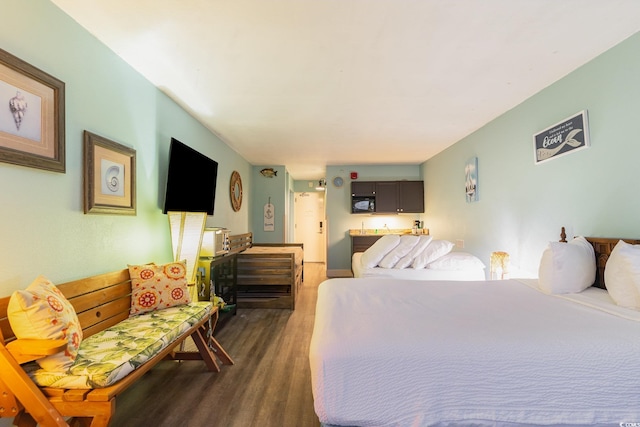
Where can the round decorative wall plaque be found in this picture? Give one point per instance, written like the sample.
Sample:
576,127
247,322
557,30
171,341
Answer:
235,189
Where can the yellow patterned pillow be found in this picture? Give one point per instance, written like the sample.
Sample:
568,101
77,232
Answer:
42,312
154,287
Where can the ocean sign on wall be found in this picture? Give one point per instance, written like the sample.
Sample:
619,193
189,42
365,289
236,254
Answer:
567,136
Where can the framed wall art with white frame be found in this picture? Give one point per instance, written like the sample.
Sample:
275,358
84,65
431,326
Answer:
567,136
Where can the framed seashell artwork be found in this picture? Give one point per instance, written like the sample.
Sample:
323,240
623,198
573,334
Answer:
109,176
32,130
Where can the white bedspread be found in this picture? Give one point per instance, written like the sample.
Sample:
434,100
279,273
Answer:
413,274
398,353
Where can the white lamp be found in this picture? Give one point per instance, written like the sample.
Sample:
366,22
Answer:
186,238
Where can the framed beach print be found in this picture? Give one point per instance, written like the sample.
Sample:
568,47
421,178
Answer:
564,137
31,116
471,180
109,176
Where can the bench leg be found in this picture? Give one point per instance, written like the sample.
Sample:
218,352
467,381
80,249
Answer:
214,344
87,413
209,358
24,419
25,390
80,422
220,352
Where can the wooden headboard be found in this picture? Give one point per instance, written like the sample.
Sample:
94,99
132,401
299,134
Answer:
602,247
240,242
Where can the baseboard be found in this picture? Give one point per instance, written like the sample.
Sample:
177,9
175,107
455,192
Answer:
339,273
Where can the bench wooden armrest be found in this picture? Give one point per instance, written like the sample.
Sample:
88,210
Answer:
26,350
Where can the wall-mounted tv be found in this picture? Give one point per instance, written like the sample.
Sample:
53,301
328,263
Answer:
191,180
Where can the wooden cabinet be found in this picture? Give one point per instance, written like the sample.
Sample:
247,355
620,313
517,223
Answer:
363,188
411,196
220,278
362,243
393,196
387,196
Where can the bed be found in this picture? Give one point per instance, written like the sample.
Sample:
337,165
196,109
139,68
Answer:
269,275
414,257
471,269
391,352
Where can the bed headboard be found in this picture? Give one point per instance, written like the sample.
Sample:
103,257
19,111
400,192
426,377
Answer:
240,242
602,247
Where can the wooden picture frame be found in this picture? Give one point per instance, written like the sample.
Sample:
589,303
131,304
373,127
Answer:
109,176
235,191
32,125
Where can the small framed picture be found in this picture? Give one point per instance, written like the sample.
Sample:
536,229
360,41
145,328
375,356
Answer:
564,137
32,116
109,176
471,180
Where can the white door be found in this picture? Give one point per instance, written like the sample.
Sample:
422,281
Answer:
310,225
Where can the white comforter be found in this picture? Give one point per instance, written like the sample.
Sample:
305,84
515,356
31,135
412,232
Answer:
398,353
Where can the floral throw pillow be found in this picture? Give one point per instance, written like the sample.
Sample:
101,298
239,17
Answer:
154,287
42,312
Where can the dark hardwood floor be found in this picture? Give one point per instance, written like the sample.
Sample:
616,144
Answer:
269,385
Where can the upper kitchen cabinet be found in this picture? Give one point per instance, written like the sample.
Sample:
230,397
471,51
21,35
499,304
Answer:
387,197
399,196
363,188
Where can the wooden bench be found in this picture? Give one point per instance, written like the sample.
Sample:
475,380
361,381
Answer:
100,302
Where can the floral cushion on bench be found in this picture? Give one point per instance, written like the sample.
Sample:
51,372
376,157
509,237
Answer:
112,354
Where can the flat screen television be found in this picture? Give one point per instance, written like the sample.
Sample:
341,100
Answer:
191,180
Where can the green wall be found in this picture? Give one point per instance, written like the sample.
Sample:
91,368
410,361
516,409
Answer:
43,227
522,206
273,189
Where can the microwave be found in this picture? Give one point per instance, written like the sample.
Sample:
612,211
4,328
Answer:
215,242
363,204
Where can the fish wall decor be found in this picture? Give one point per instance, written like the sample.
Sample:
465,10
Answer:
269,172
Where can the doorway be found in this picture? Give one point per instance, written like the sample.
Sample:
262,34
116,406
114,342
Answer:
309,225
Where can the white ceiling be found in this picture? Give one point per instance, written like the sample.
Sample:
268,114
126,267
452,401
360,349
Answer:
311,83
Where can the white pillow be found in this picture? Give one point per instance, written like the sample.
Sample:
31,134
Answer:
372,256
622,275
457,261
407,243
435,250
567,267
406,260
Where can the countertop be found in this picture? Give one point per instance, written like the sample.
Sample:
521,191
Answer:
383,231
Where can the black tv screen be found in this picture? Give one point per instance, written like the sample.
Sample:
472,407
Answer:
191,180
